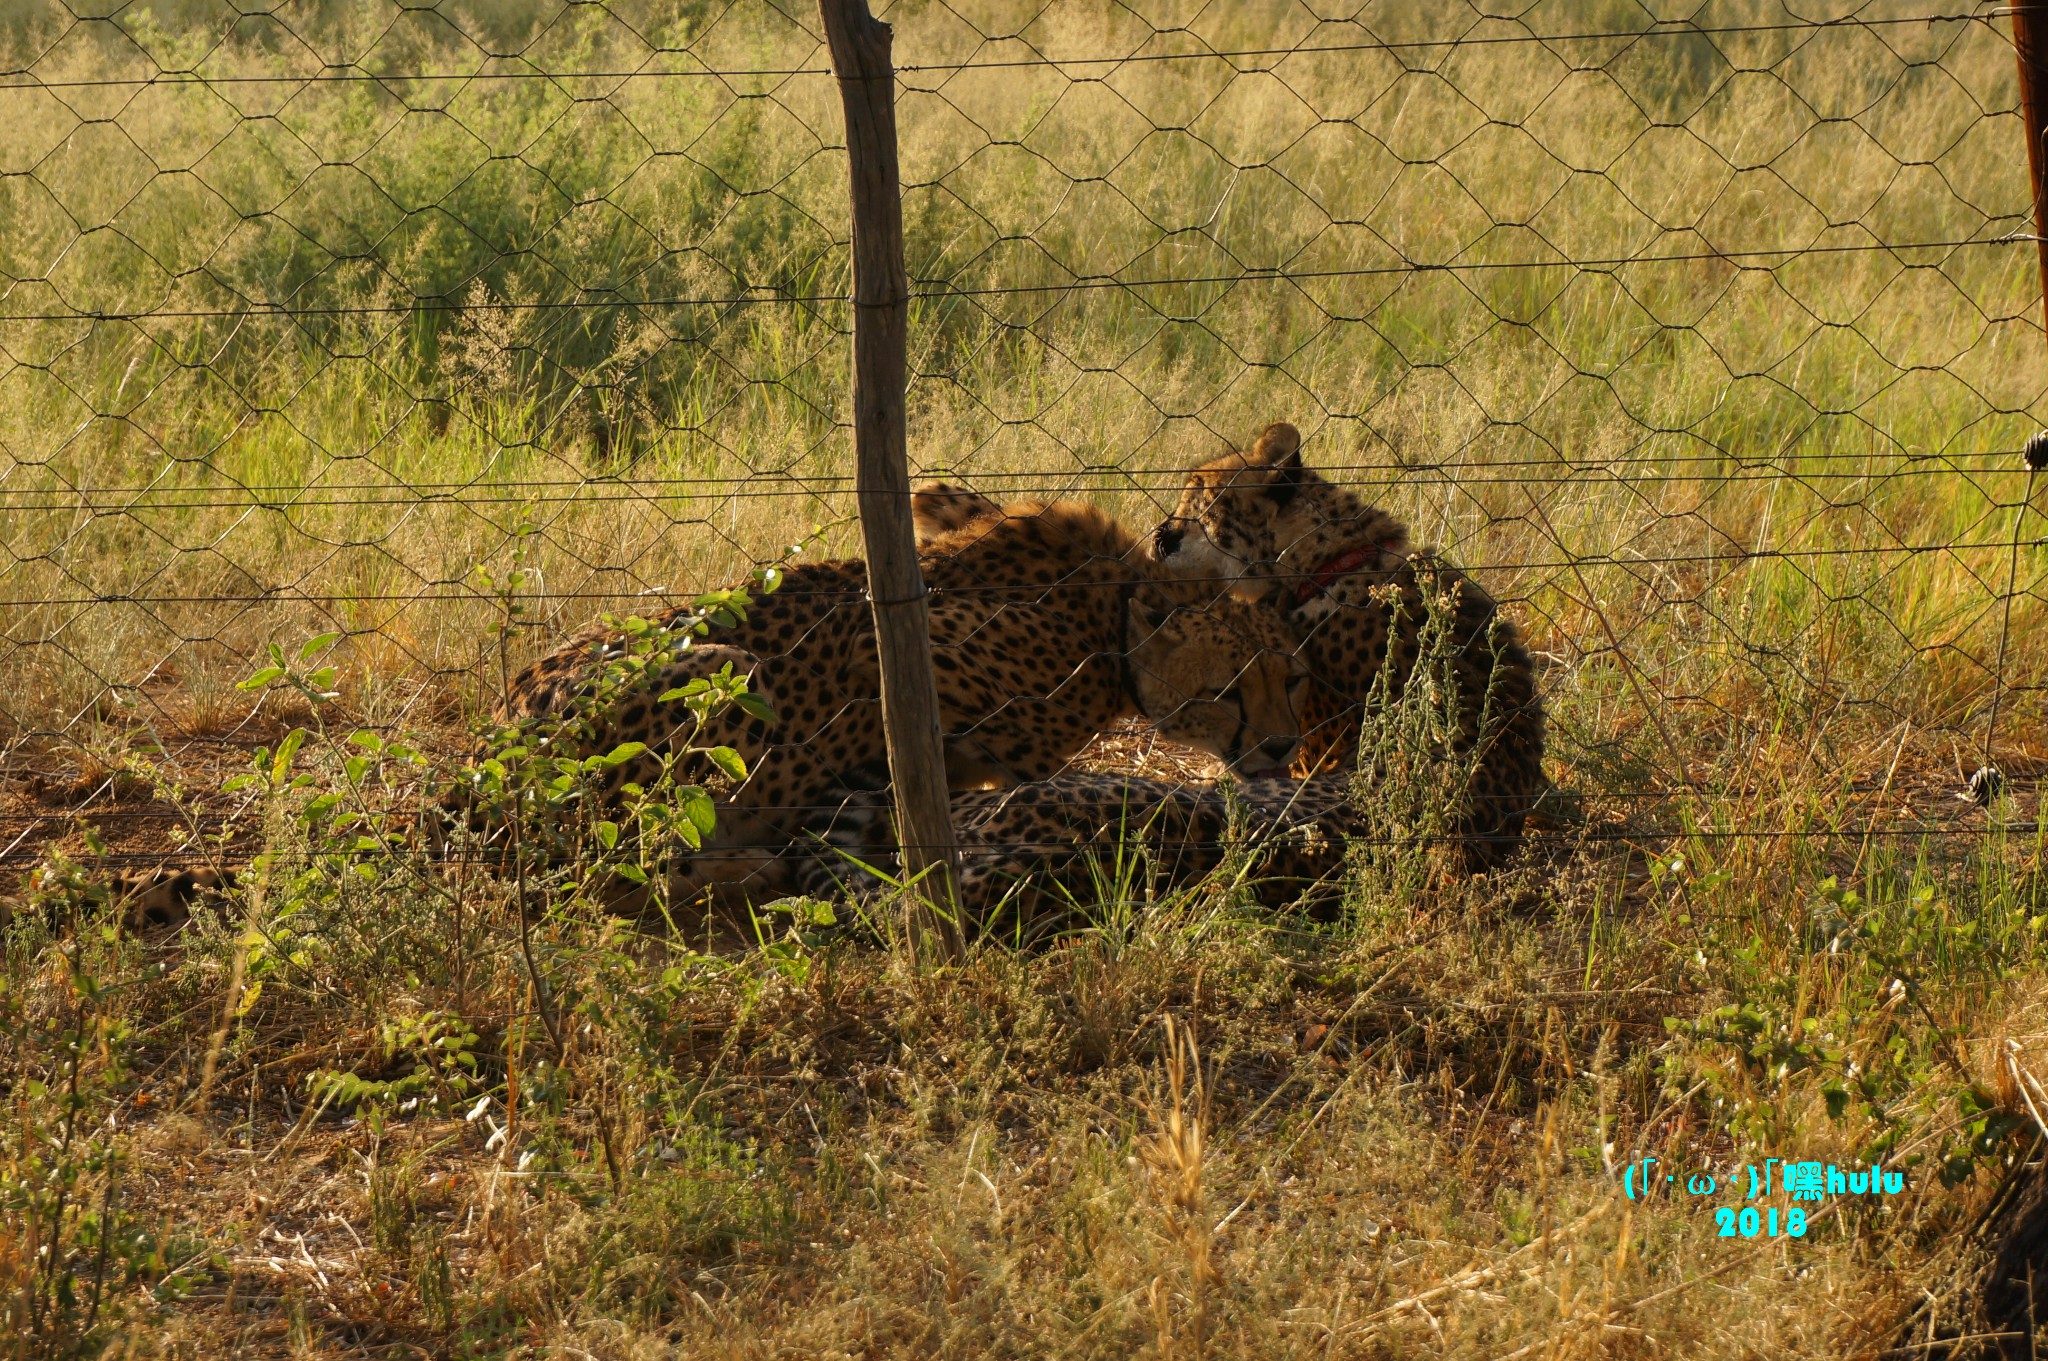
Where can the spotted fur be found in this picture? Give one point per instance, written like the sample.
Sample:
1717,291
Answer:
1048,624
1343,574
1033,854
939,508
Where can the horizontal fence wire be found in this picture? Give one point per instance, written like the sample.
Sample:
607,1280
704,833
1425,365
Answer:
1708,349
1657,29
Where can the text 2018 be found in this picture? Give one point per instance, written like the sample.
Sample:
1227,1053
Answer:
1748,1223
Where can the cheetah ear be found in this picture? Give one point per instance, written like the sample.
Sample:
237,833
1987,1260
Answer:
1279,448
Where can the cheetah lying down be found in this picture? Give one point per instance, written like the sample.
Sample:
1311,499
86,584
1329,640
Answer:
1048,624
1370,608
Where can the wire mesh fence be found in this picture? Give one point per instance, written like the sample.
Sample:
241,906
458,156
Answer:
1706,347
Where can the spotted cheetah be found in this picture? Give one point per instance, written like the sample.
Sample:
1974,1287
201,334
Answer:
1034,854
1344,576
1048,624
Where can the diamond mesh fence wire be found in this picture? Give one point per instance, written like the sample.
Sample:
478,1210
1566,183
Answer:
1705,345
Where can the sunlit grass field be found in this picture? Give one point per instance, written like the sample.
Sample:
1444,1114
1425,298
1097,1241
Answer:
1706,351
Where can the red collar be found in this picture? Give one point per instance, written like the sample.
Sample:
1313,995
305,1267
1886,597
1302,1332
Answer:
1318,581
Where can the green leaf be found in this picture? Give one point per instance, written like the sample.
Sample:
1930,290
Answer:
261,678
624,752
728,761
608,834
735,597
633,874
316,645
286,750
699,808
753,704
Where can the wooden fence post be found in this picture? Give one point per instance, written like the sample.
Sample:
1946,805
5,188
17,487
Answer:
2030,45
881,320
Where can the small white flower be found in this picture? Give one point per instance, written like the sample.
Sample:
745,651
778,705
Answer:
483,1103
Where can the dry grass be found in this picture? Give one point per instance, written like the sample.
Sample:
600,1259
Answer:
1759,515
1705,481
1399,1137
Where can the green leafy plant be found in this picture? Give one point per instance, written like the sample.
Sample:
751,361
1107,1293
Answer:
1835,1001
442,1050
74,1242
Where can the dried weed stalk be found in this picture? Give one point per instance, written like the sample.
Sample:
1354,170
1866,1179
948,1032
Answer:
1169,1161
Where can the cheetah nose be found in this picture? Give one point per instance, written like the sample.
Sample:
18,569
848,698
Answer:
1166,541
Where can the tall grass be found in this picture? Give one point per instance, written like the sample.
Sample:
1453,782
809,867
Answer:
1197,1130
1592,314
610,305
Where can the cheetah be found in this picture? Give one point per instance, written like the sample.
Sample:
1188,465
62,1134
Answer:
1345,577
1048,624
1032,854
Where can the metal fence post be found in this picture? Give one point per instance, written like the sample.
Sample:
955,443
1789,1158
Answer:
881,306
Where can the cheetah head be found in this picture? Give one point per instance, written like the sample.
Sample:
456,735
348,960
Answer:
1232,521
1253,519
1221,677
